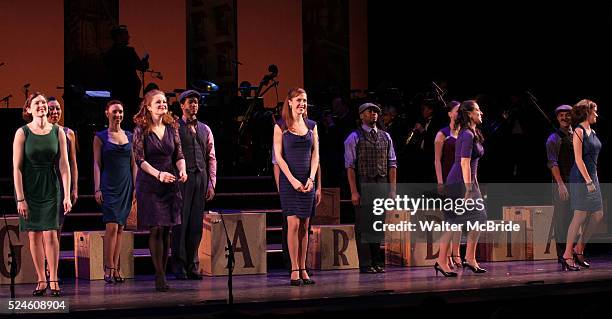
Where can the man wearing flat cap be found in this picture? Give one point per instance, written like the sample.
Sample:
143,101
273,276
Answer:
560,153
369,158
199,151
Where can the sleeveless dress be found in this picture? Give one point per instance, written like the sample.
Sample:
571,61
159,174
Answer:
297,152
581,199
448,152
465,147
40,183
116,179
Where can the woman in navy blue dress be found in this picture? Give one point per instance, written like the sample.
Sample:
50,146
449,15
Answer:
585,191
462,182
114,173
296,150
158,154
444,157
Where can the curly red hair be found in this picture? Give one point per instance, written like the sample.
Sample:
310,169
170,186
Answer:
143,118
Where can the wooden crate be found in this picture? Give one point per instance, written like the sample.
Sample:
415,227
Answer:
412,248
132,220
332,247
89,255
26,273
540,243
248,234
328,212
502,245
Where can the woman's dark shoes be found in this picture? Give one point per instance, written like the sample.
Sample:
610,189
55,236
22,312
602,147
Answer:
443,272
474,269
579,259
295,282
57,291
108,278
565,266
117,276
454,263
306,281
39,292
379,269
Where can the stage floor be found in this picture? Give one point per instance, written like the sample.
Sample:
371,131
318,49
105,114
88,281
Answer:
271,293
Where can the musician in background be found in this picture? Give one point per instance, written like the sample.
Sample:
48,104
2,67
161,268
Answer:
419,146
123,63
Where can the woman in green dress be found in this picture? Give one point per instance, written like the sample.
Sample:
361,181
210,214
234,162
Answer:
37,193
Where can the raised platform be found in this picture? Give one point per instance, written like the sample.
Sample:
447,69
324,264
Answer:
506,287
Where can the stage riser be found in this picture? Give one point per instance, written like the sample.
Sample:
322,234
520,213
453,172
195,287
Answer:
408,248
503,246
244,230
332,247
540,243
89,255
26,272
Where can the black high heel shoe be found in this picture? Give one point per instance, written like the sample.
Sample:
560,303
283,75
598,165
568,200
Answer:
444,273
40,292
454,262
295,282
117,276
55,292
306,281
581,261
567,267
108,278
474,269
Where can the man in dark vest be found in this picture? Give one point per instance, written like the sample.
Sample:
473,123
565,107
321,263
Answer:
369,158
199,151
560,152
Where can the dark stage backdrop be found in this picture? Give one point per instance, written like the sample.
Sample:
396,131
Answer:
326,46
497,52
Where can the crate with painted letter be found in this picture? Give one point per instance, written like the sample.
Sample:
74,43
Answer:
247,233
332,247
540,243
416,247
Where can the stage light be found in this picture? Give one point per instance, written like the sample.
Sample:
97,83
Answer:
205,86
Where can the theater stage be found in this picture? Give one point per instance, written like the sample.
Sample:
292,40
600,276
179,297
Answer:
507,287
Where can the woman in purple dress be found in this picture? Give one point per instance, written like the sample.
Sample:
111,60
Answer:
296,150
462,182
444,157
158,154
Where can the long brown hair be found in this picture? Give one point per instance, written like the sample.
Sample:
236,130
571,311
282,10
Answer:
463,119
24,114
581,111
143,118
286,111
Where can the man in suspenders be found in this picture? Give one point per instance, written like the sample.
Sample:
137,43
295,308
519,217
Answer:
369,158
199,151
560,153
